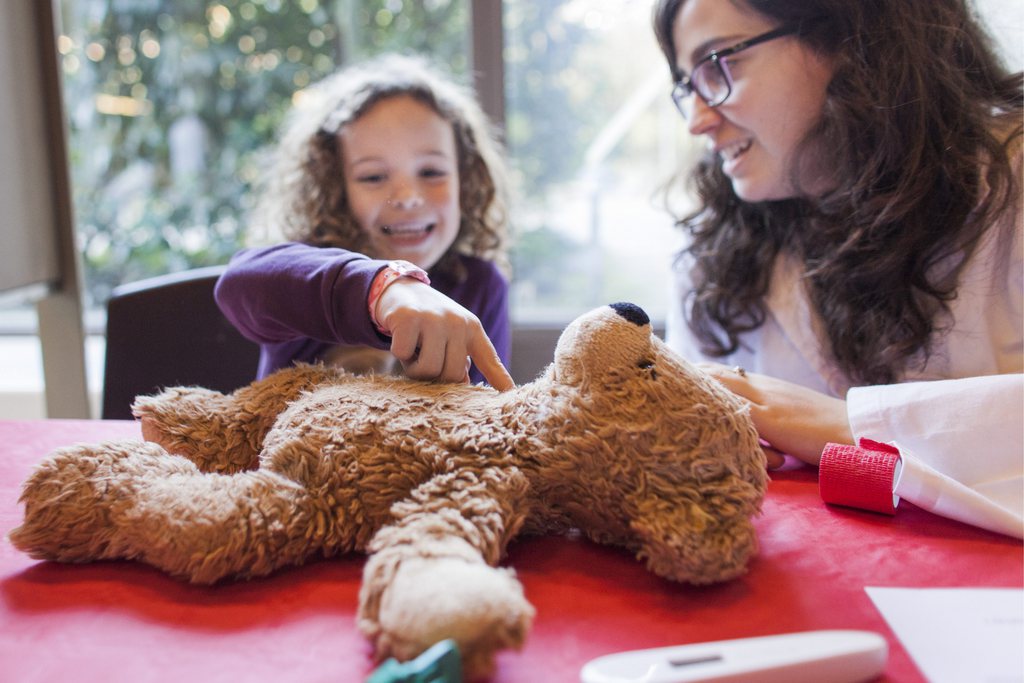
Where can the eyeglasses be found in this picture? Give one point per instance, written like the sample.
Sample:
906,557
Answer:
711,79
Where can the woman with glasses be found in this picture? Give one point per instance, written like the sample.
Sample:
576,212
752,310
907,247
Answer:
859,229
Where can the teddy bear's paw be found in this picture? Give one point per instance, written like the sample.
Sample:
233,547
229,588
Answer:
75,498
680,552
429,599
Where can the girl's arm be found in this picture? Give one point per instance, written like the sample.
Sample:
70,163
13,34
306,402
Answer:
295,291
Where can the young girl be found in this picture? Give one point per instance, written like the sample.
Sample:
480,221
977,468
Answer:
389,183
859,228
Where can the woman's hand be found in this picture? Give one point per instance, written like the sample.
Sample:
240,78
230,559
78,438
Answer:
791,418
434,338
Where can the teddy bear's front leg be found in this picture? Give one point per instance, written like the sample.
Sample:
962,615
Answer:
684,541
431,575
133,500
223,433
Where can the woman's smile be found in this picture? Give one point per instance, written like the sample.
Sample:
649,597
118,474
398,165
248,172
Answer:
732,153
777,92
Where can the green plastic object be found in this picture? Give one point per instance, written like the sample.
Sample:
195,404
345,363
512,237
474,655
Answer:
441,663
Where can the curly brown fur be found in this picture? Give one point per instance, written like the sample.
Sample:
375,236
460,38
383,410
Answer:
619,438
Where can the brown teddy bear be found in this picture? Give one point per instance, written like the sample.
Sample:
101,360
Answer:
619,438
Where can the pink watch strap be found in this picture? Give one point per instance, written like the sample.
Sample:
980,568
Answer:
384,278
859,476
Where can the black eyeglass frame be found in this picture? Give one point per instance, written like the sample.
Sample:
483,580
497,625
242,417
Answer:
684,87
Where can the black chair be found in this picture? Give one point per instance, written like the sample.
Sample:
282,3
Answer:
167,331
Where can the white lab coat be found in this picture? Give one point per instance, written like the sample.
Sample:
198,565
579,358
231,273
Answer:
961,441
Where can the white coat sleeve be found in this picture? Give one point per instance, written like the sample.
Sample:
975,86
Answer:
961,444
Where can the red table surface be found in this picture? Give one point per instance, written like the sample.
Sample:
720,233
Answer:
123,621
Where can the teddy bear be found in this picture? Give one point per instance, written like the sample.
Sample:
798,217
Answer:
619,438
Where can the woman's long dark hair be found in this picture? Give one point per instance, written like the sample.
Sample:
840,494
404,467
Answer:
918,122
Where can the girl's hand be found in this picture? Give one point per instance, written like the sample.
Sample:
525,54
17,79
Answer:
434,337
791,418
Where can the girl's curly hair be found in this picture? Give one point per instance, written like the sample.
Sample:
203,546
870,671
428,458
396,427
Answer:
303,196
919,122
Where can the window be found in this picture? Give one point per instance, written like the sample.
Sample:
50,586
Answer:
170,105
592,138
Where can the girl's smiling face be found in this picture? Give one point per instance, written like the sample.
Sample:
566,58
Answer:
401,174
778,92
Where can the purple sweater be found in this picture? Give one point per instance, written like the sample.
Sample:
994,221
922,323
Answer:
296,301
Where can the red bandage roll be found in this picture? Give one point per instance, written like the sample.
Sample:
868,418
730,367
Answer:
859,476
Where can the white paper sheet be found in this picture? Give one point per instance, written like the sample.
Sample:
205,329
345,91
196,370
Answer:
958,634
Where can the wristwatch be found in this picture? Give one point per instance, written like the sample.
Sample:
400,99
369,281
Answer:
384,278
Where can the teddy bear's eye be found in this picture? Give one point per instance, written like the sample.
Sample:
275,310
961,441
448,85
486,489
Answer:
648,365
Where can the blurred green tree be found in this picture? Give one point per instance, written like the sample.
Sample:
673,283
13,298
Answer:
171,104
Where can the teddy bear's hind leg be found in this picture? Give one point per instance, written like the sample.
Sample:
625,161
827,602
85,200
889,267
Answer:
133,500
209,527
75,497
223,433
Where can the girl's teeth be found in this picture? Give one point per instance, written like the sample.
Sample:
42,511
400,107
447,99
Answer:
400,230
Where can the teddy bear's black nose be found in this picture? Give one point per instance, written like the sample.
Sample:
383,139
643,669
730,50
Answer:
632,313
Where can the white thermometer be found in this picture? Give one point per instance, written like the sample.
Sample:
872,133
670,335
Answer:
819,656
